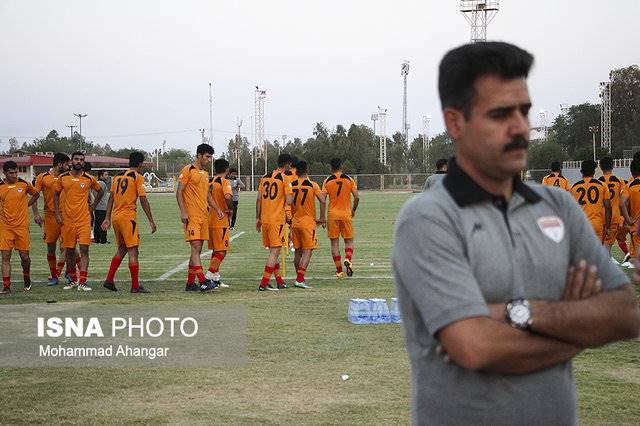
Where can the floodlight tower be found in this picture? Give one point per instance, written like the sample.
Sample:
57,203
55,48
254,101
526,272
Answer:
382,116
542,114
404,72
259,141
374,118
479,13
426,143
605,114
211,117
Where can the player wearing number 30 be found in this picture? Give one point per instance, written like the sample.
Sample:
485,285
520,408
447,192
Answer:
594,198
126,188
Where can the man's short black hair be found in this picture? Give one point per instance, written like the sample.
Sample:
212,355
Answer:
462,66
233,170
204,148
135,159
335,163
220,165
87,166
294,161
101,172
556,167
634,167
441,163
606,164
302,168
9,165
588,168
78,153
60,158
284,159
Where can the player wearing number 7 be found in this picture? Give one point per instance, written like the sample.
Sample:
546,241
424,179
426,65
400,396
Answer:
340,187
594,198
127,188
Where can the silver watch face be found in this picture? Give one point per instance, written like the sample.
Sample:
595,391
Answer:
520,315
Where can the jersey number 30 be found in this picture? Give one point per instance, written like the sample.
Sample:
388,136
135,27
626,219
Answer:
270,190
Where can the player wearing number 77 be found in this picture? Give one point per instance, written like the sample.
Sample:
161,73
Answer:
127,188
274,194
594,198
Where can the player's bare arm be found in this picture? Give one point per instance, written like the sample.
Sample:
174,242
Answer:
56,207
356,201
184,217
607,216
214,205
106,223
36,214
228,198
624,209
258,210
146,208
322,220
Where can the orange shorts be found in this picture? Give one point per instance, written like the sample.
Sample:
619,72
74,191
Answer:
219,239
51,229
15,238
623,231
304,238
613,232
73,233
273,234
338,227
126,232
196,229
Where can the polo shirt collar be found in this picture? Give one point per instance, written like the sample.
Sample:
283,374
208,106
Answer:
465,191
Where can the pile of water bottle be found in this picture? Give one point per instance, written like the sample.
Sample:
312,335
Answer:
373,311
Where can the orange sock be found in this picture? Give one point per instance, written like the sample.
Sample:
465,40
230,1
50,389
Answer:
348,253
276,273
338,262
216,260
51,260
198,271
301,271
83,277
266,275
191,276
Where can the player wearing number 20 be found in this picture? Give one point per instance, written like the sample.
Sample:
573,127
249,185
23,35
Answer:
127,188
594,198
274,195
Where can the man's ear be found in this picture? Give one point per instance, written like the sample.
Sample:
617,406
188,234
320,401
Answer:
454,121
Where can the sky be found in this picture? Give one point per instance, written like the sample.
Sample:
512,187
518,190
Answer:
141,69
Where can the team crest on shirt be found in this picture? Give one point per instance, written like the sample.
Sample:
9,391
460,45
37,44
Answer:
19,189
552,227
82,185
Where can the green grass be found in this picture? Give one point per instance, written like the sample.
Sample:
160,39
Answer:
298,343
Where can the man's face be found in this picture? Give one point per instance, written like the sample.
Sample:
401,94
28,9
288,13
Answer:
287,167
77,162
63,167
104,176
11,175
233,175
493,139
205,159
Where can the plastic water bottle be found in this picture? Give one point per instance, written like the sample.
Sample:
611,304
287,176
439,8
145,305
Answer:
359,311
380,311
395,313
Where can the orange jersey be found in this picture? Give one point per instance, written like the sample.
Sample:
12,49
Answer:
74,196
14,210
591,194
45,183
304,203
220,187
125,190
338,187
274,187
556,179
633,192
196,182
616,187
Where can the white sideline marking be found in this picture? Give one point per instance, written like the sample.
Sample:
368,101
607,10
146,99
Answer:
186,263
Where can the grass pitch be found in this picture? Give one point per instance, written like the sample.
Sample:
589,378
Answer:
298,341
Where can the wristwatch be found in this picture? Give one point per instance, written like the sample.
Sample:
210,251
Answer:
518,313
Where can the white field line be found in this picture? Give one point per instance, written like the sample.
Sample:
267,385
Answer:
318,278
184,264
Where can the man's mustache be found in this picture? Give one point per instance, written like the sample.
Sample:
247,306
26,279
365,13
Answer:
519,142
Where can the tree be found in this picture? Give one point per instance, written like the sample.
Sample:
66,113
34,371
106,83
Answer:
440,147
13,145
571,130
541,154
625,109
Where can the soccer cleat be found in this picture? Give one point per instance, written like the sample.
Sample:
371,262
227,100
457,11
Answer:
212,276
626,258
52,282
109,285
70,285
208,285
271,287
303,284
347,264
631,265
68,278
26,287
191,287
83,287
221,284
614,261
282,286
267,287
339,275
5,291
140,289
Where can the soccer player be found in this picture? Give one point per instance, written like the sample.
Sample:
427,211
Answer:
303,225
14,223
236,186
219,227
194,197
274,194
594,198
73,213
126,189
555,178
340,187
442,165
45,183
616,187
630,208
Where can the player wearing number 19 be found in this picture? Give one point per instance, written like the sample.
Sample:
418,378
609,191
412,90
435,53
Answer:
274,194
126,189
594,198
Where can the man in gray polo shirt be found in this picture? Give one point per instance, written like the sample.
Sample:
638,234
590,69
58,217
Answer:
442,165
500,283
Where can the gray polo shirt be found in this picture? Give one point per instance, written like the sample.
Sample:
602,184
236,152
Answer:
458,248
433,179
